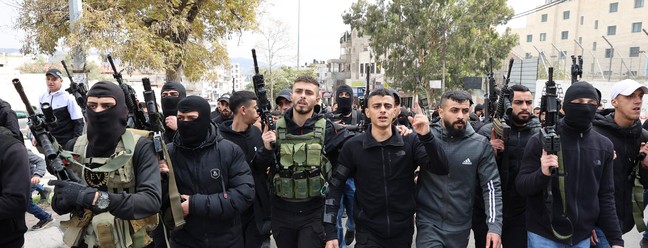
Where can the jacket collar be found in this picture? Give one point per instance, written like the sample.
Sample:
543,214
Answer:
395,140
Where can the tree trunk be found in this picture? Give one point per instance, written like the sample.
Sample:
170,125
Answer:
174,75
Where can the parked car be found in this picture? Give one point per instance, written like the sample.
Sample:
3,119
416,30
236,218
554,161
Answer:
22,122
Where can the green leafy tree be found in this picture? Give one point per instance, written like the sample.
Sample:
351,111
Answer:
180,37
283,78
420,40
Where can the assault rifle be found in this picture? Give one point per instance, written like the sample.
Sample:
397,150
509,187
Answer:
491,96
561,225
39,125
154,117
136,117
364,101
576,68
262,96
502,129
79,91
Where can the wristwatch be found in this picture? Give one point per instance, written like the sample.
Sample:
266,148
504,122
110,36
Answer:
102,202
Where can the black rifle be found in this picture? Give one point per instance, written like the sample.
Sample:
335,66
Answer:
362,123
79,91
154,117
39,125
502,129
263,107
561,225
491,96
576,68
136,117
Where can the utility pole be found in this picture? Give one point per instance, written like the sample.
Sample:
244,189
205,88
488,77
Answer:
78,55
611,56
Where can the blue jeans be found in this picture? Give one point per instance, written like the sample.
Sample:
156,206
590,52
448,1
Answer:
537,241
346,202
602,241
34,209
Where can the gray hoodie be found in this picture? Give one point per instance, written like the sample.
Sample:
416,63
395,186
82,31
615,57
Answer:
447,200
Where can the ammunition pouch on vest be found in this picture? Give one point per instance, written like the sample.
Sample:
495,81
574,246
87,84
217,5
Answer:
117,174
302,163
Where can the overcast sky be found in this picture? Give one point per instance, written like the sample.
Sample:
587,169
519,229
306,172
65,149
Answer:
320,27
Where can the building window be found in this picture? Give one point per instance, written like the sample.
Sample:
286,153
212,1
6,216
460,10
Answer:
566,15
639,3
563,55
609,52
582,20
636,27
528,55
596,24
594,46
614,7
543,36
580,40
529,37
564,35
362,68
634,51
543,18
611,30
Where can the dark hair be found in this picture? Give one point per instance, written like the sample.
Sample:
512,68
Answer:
307,79
241,98
381,92
518,87
459,96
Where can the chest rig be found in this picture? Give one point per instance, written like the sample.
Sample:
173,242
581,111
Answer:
113,174
302,163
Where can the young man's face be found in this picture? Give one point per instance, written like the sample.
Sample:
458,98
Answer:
629,106
284,104
250,114
520,104
224,108
380,110
53,83
455,114
536,112
304,97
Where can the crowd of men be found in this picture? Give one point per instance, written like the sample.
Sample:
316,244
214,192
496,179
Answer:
227,178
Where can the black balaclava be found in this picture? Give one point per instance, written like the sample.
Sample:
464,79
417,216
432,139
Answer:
106,127
193,133
344,104
170,103
579,116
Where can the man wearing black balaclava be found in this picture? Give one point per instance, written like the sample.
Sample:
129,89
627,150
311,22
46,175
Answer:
171,94
213,178
344,100
587,160
118,170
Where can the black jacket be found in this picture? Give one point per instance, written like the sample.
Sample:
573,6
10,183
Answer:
259,160
514,204
627,142
9,119
14,191
334,138
384,178
217,178
589,186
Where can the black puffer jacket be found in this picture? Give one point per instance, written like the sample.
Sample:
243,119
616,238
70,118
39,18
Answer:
259,160
9,120
626,146
14,191
217,178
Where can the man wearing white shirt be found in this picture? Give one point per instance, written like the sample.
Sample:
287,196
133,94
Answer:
69,118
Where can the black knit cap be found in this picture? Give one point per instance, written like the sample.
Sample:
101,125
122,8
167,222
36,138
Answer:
581,89
175,86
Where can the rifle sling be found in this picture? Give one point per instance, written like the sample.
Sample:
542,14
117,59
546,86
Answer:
174,195
637,200
560,176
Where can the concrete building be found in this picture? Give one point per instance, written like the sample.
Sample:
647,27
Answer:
609,34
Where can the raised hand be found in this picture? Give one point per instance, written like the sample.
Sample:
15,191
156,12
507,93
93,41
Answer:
420,121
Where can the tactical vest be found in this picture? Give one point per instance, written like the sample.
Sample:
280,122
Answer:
117,174
302,163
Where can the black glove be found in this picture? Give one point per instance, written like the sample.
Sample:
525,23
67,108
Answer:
68,194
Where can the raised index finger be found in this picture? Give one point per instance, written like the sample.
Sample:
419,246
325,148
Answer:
417,109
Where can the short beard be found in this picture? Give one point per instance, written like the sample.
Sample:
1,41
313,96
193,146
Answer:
454,131
520,121
303,111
